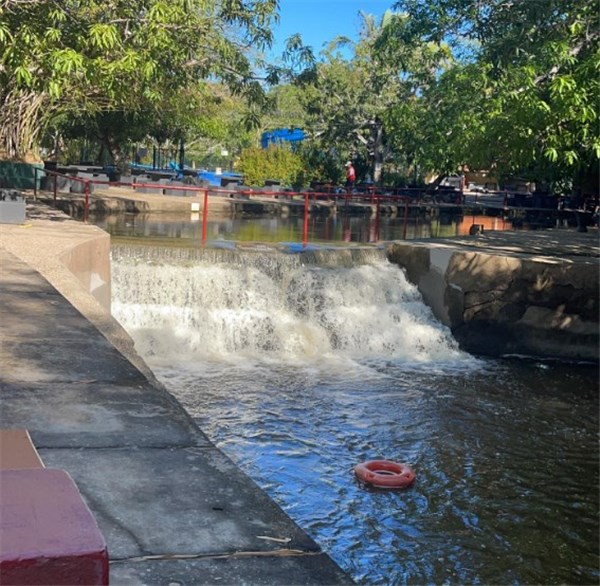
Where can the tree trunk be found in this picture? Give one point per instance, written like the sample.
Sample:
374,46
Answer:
377,153
119,156
22,117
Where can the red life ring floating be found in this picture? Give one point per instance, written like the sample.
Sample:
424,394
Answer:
385,474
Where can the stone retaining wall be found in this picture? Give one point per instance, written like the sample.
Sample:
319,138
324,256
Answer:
498,304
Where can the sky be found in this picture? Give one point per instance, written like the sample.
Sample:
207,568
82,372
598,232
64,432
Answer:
320,21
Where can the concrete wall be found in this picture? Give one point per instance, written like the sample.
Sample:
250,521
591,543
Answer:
89,261
497,304
75,259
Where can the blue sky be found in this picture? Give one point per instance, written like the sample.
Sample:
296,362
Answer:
319,21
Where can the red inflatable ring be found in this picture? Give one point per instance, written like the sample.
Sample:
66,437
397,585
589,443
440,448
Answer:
385,474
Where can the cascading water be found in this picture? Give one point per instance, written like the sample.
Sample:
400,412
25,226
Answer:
299,366
277,306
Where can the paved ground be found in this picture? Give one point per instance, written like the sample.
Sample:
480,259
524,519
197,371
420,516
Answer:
173,509
563,243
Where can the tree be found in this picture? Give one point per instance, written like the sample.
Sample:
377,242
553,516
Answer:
277,162
204,111
67,56
285,109
356,104
536,65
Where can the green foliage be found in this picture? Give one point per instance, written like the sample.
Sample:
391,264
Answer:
277,162
320,165
70,56
510,87
535,66
359,106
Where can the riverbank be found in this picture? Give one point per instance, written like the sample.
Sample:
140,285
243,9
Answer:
245,202
533,293
172,508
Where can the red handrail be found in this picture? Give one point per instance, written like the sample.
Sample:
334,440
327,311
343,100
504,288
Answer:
204,217
371,195
305,227
86,188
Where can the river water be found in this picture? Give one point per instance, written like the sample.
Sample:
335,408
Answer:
300,366
187,228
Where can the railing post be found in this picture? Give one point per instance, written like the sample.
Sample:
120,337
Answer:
86,207
305,229
377,212
204,216
54,199
405,219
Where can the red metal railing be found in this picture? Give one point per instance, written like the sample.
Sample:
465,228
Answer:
370,196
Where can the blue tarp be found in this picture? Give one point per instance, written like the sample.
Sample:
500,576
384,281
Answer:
281,135
215,178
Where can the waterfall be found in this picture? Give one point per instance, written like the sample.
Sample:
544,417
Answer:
190,304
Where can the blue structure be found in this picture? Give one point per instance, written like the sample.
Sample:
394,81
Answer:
218,179
279,135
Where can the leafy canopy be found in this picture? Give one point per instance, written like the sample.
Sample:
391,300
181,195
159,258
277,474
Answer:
93,56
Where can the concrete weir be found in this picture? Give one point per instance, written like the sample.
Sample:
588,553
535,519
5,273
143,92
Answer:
172,508
523,293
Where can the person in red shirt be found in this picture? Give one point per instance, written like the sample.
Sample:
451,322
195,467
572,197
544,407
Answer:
350,177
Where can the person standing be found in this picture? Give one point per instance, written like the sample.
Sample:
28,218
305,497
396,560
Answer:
350,177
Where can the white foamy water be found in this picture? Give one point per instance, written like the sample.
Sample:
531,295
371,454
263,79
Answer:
293,313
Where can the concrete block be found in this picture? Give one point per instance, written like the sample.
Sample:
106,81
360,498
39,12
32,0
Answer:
79,186
12,212
49,535
180,192
63,184
154,190
17,450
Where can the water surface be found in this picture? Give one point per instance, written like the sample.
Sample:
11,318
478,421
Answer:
300,366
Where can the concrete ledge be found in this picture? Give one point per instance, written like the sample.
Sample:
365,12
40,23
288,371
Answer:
89,261
49,536
531,293
17,450
243,568
59,249
189,501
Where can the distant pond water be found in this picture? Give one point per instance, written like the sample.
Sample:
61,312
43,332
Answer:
341,229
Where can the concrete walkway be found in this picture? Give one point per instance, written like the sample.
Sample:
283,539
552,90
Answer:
173,509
